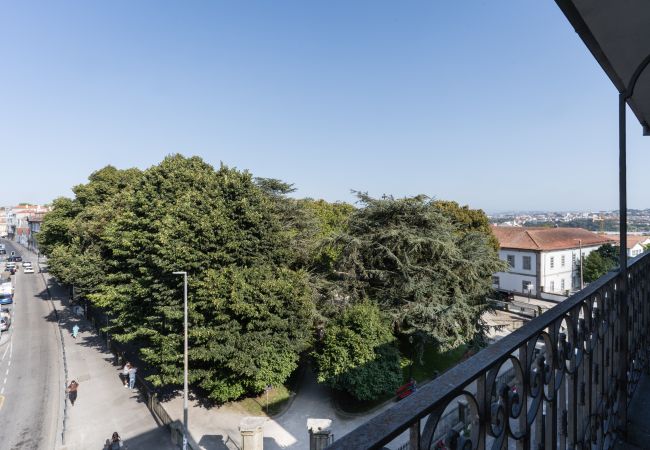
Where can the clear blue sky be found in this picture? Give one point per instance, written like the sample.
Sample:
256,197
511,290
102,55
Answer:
496,104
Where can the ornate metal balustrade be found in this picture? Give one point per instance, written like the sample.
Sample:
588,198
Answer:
572,372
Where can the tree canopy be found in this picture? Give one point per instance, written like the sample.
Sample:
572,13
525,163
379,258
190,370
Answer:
250,314
599,262
411,259
268,273
358,354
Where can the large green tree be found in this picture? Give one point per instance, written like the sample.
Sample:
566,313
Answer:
250,313
467,220
71,234
412,260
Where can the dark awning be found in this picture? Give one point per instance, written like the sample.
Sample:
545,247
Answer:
617,32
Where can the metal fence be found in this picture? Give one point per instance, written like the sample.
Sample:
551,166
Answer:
575,368
100,320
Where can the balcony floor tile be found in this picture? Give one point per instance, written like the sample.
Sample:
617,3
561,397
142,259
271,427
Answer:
638,419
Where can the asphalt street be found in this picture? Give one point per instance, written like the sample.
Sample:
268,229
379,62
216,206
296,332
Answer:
30,382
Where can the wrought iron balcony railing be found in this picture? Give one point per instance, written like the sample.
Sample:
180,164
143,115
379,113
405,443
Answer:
562,381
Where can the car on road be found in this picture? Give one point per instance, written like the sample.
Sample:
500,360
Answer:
5,323
15,258
27,263
28,269
6,300
6,287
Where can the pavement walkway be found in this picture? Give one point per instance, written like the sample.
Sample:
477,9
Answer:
103,405
217,428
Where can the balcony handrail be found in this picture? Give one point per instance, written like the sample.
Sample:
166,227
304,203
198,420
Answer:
383,428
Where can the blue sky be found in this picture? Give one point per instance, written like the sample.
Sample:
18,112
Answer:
496,104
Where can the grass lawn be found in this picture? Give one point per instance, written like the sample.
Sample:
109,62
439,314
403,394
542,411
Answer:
256,406
433,361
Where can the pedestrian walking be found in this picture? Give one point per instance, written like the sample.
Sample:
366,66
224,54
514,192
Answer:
75,331
124,376
132,371
115,443
72,391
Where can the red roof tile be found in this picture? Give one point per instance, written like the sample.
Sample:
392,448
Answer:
536,238
632,239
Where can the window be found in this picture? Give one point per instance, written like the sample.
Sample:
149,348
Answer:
526,262
552,262
573,259
495,281
552,285
526,286
562,284
562,261
511,261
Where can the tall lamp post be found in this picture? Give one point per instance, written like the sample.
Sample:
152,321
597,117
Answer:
185,427
582,280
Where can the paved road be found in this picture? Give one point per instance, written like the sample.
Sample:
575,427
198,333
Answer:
30,384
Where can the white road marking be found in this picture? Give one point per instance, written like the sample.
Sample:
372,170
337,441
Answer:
5,354
7,372
9,364
2,391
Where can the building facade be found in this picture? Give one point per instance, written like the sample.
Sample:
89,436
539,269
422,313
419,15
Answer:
17,221
543,260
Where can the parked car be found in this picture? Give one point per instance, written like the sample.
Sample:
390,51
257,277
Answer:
28,269
6,300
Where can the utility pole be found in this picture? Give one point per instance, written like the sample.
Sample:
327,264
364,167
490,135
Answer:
185,426
582,280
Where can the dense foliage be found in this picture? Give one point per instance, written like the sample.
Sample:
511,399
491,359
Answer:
250,315
358,353
599,262
411,259
271,277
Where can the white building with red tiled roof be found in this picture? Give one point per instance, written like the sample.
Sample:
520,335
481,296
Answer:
635,243
543,260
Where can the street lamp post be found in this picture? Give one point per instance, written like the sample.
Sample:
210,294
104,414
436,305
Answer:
582,280
185,427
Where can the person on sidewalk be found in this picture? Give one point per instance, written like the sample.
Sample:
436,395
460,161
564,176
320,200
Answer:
72,391
125,374
115,443
75,331
132,371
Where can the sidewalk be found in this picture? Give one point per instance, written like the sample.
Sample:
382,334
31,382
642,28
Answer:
103,405
217,428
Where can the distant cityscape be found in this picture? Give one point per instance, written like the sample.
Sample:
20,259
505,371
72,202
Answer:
597,221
